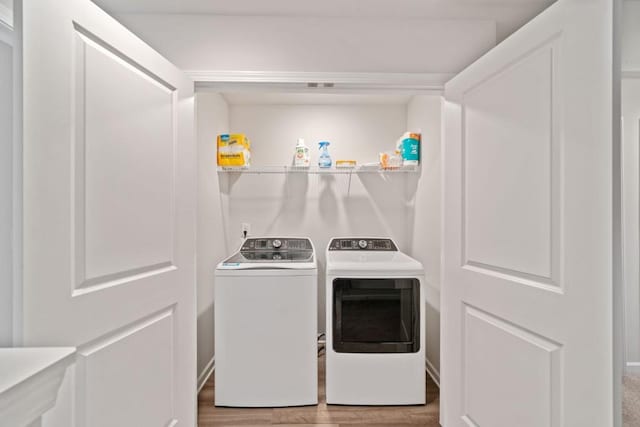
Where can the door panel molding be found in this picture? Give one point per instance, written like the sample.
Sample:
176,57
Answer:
6,17
515,151
535,364
136,194
103,372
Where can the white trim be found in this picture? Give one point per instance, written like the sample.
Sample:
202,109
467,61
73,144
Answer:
34,390
6,16
206,373
7,38
432,371
339,82
617,290
402,79
17,176
632,368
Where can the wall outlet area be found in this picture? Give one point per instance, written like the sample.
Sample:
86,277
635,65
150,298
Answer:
246,229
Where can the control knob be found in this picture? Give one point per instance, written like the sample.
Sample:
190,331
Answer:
362,244
276,243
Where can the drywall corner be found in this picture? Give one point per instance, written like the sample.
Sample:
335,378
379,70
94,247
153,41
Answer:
212,118
424,115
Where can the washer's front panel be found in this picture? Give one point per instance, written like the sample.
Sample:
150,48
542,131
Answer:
266,341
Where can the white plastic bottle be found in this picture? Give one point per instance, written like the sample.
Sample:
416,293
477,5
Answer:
301,158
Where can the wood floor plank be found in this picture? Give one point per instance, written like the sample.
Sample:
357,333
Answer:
322,415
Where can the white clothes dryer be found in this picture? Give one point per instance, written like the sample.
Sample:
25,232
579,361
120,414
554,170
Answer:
375,339
266,324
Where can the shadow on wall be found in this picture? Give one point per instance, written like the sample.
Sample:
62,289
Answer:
295,189
318,206
432,334
389,193
328,202
206,346
412,191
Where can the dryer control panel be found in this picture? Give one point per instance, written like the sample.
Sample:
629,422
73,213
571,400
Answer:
362,244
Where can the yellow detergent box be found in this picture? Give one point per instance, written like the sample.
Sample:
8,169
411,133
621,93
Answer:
234,150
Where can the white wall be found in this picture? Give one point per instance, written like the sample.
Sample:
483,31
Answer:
212,119
315,44
318,206
424,114
6,190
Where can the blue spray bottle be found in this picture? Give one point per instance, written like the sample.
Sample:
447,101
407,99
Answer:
325,159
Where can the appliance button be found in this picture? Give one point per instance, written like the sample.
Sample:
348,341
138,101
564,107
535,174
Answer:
276,243
362,244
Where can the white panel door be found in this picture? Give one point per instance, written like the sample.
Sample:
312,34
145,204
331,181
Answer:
109,215
631,216
527,293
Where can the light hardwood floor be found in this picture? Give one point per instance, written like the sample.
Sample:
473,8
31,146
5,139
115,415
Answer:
322,415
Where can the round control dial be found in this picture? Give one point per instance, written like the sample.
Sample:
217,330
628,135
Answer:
362,244
276,243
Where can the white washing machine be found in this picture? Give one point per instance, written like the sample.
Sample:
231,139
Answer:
266,325
375,324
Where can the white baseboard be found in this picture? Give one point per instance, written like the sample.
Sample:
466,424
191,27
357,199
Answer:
632,368
432,371
206,373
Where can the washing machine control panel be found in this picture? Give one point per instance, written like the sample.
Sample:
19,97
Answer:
281,243
362,244
276,249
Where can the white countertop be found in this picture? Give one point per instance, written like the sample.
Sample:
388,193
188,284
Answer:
18,364
29,381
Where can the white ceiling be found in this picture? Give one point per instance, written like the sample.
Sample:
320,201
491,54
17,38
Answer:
508,14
